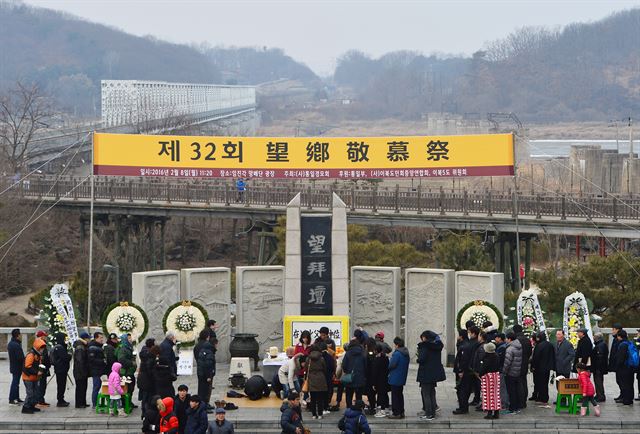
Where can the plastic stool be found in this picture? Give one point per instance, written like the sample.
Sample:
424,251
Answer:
577,398
102,403
568,407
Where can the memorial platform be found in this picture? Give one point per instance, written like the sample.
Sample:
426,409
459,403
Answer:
256,418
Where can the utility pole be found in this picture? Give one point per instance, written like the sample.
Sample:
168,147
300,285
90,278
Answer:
630,138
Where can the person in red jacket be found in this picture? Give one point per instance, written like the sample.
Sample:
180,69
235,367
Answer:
168,419
588,391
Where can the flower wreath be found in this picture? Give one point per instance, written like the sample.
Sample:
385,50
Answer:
126,317
185,319
479,311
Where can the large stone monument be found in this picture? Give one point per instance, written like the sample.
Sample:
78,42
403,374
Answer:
429,304
375,299
479,285
155,291
259,294
317,277
211,287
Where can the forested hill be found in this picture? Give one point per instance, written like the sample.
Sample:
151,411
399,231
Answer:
588,71
69,56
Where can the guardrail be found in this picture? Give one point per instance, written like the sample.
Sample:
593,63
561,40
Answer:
369,199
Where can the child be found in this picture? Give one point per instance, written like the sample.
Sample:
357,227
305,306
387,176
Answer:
588,391
115,390
181,403
354,421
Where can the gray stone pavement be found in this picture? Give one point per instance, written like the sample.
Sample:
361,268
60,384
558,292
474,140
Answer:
615,418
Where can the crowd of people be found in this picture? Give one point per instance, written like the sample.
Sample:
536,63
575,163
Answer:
114,360
492,367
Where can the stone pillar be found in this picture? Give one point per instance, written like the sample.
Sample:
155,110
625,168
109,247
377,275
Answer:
260,305
211,287
293,259
340,257
479,285
375,295
155,291
429,305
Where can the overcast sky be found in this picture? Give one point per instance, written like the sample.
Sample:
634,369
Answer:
318,32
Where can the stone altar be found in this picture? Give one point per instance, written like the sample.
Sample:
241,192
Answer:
211,287
375,300
429,305
155,291
260,303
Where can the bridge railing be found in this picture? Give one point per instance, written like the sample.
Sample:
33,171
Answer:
362,198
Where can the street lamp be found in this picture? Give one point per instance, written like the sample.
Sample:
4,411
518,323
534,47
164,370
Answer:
115,270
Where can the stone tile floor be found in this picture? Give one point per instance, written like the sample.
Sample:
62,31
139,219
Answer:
614,416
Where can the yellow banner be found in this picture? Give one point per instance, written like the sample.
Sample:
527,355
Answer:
303,157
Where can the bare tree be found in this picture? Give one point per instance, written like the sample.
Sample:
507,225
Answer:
24,111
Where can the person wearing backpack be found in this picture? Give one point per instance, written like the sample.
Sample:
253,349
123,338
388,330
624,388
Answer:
31,374
626,362
206,366
61,360
354,421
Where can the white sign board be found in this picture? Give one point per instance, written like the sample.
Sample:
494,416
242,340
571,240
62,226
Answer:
185,362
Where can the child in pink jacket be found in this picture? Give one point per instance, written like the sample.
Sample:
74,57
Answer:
115,390
588,391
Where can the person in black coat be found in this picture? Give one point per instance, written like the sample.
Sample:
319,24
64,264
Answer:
490,363
46,362
61,365
355,363
462,368
584,349
624,373
97,364
151,416
527,350
146,380
81,369
110,351
167,355
599,365
197,420
330,363
543,362
615,329
430,371
205,356
380,375
180,406
370,349
16,360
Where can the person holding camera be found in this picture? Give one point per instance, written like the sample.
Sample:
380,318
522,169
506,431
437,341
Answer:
32,372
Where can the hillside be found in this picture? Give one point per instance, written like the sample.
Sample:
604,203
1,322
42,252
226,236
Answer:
583,72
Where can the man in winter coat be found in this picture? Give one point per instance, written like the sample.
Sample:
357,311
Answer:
564,355
512,371
354,421
31,374
380,340
527,350
542,363
205,356
220,425
81,369
624,373
430,371
291,418
97,364
615,329
355,363
146,379
127,358
398,370
584,349
16,361
46,361
61,364
197,421
167,355
501,349
110,351
599,365
490,330
180,405
463,368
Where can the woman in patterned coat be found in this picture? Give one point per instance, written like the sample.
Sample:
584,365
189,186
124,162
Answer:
490,380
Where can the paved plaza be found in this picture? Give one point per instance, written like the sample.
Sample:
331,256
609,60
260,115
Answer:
615,418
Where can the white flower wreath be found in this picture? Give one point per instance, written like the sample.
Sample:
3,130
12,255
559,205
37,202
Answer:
478,313
126,319
185,320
